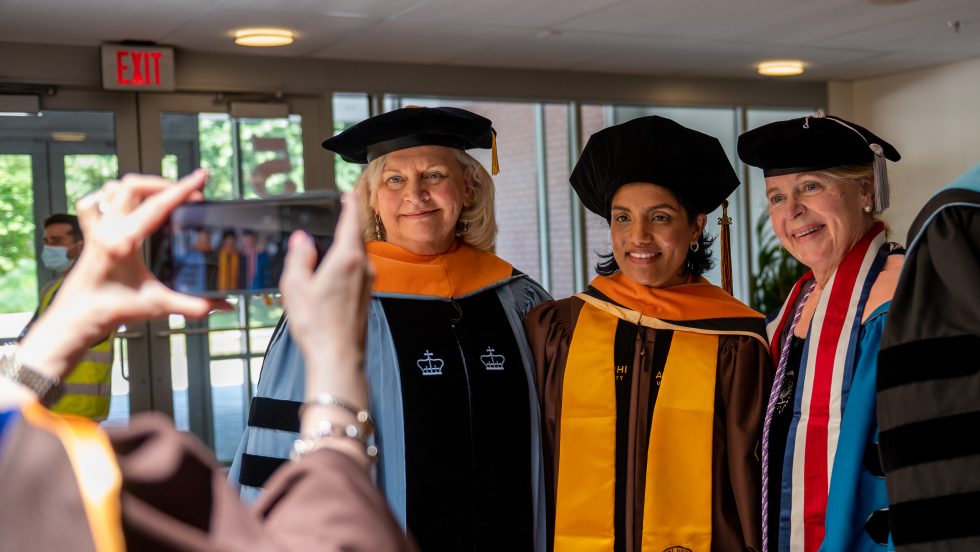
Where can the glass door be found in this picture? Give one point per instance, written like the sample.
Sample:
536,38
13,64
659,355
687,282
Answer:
202,373
18,242
48,160
211,366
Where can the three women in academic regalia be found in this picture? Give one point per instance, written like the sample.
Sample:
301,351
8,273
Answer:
661,427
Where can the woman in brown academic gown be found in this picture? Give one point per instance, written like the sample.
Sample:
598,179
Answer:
653,382
67,485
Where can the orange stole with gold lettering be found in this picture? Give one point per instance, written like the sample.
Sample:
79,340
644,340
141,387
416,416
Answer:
677,503
678,488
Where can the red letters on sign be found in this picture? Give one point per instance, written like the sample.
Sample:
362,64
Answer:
156,67
145,68
121,68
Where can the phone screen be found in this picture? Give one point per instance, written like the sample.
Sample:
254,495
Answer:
218,248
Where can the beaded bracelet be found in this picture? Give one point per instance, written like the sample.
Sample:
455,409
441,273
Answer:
325,429
326,399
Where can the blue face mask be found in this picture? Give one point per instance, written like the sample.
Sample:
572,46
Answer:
55,258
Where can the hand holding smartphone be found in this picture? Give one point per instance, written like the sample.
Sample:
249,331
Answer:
219,248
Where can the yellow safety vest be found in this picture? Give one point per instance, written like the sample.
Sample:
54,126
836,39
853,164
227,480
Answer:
88,387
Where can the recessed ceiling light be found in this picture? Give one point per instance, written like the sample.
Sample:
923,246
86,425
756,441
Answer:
781,68
265,36
66,136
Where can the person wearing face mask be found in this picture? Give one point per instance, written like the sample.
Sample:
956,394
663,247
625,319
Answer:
87,388
62,243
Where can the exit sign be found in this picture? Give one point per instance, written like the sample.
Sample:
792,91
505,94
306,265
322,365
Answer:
138,68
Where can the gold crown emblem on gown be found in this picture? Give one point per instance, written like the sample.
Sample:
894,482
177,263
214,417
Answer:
492,361
430,366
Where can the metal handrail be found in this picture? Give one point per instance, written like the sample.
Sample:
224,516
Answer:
203,331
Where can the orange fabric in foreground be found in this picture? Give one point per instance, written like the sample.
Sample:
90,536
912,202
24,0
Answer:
96,471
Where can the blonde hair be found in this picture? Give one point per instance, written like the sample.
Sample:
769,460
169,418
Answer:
858,174
477,224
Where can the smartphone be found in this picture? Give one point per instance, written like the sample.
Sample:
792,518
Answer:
220,248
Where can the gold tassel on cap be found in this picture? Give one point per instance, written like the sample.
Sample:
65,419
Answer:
494,164
726,248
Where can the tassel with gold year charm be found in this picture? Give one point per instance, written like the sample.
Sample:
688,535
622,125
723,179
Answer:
726,248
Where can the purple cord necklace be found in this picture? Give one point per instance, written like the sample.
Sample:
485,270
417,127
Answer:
777,386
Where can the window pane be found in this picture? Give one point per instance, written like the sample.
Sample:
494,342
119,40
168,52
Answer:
271,153
246,158
178,374
228,400
18,268
225,320
594,119
169,167
348,110
52,151
559,214
264,312
758,211
260,338
254,369
85,174
210,364
225,343
119,403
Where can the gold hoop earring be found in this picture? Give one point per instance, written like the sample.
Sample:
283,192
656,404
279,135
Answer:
377,226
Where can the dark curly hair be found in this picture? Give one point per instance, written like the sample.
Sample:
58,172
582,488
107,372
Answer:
697,262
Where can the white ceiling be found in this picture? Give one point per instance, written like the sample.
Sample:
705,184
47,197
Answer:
838,39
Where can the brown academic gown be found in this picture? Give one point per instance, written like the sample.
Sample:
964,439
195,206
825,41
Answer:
175,497
743,380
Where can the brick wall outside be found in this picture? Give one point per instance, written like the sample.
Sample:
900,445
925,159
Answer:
596,227
517,202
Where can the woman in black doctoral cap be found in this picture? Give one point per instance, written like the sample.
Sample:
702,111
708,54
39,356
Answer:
653,381
450,373
822,477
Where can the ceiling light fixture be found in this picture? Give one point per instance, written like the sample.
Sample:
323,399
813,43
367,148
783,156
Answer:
781,68
68,136
263,37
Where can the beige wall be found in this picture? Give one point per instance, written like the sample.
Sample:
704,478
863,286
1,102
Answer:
931,116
